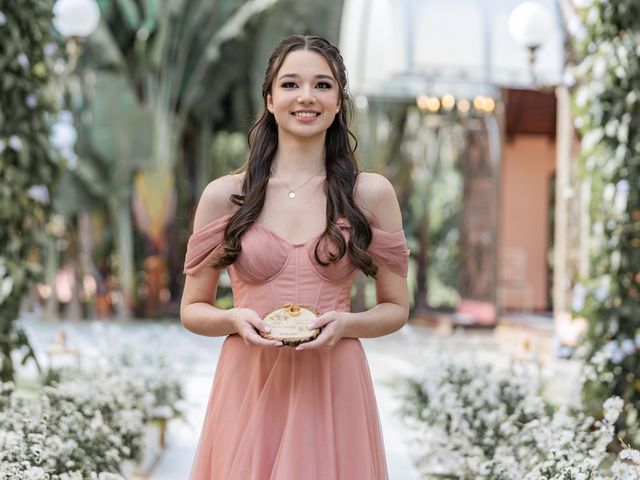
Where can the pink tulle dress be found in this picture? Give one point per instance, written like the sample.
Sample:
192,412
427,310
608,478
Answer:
281,414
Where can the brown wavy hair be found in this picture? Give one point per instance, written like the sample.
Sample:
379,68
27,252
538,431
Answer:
340,164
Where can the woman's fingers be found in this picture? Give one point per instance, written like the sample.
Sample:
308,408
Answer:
252,337
323,342
247,323
254,319
332,328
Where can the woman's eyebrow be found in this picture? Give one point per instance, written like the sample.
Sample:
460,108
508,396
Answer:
319,76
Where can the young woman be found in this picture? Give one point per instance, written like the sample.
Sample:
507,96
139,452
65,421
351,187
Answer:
294,226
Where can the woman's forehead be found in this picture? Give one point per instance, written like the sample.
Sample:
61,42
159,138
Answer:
305,63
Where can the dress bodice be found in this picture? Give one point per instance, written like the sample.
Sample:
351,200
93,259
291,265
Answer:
271,271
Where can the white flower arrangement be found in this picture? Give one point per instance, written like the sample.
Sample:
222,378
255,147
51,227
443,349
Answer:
57,439
102,413
475,421
163,388
85,424
627,465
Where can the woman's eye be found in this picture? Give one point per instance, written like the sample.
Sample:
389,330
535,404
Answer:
321,85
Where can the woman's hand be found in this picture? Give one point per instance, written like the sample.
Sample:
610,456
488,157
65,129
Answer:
332,329
246,322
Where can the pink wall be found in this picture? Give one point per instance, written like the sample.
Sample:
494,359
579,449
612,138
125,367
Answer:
528,164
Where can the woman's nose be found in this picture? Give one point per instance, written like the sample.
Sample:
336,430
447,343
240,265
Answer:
306,97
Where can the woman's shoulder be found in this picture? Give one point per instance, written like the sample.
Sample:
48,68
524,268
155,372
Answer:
375,195
215,201
370,186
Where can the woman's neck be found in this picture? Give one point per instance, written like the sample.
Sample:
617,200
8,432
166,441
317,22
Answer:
298,157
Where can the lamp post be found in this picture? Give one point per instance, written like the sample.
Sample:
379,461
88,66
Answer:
530,24
75,19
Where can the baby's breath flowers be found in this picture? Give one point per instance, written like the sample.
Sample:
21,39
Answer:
627,465
85,424
68,434
476,421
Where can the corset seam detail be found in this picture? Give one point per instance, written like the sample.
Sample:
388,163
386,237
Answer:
334,281
268,279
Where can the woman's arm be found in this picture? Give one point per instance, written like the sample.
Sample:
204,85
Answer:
197,311
377,198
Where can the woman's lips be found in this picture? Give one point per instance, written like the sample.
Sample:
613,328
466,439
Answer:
306,116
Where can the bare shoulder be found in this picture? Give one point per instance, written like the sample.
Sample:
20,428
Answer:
375,194
215,200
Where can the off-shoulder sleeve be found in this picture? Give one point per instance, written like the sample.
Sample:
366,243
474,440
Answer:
391,249
204,244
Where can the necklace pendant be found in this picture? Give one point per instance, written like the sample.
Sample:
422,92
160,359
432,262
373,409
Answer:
292,195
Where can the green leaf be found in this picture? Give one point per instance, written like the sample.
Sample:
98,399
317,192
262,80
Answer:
130,13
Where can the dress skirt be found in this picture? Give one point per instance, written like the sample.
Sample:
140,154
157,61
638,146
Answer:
282,414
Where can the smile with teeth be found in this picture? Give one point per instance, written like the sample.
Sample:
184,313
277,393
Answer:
306,114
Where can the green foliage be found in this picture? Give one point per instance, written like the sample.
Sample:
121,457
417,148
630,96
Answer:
608,117
28,166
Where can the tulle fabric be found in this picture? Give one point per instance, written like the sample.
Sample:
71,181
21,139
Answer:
282,414
288,415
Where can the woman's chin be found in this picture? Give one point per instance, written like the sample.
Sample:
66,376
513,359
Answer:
303,131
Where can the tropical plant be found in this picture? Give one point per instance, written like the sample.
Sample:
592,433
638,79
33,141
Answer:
164,78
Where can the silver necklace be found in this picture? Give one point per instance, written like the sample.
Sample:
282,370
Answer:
292,191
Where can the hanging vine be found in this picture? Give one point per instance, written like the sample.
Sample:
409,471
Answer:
27,163
608,117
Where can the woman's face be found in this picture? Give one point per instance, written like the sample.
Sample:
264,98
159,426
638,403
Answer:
304,95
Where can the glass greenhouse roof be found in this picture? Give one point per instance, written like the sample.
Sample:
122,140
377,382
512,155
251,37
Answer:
405,48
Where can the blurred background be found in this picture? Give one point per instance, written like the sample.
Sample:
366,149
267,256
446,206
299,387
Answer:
509,130
460,104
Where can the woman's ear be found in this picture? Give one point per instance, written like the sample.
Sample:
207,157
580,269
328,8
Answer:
269,103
